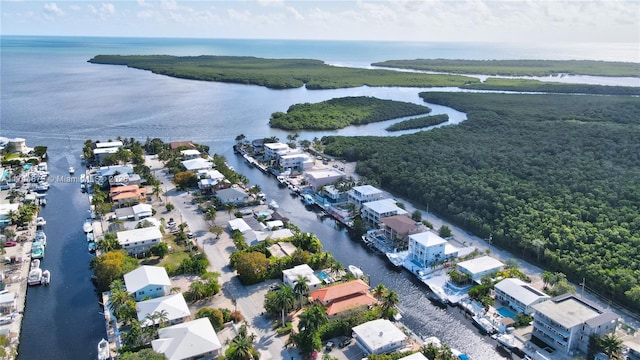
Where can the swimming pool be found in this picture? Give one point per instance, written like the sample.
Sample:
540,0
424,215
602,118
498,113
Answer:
506,312
322,275
27,166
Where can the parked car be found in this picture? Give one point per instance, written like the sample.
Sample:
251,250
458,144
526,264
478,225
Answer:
345,342
10,244
190,235
329,345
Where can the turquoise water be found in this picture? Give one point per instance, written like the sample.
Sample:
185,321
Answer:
27,166
322,275
4,174
506,312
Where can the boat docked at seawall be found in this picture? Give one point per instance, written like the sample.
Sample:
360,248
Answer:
91,246
46,278
37,250
460,355
274,205
507,340
397,258
483,324
40,221
103,350
87,227
34,277
355,271
72,170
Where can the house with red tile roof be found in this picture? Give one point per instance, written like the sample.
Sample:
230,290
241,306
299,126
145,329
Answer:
343,298
121,195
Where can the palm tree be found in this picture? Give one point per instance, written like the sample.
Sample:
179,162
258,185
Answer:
611,346
389,301
108,243
285,299
379,291
301,287
229,207
241,347
156,189
118,299
196,291
218,230
312,318
158,318
211,214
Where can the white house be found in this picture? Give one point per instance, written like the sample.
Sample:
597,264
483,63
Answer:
108,144
290,276
359,195
519,295
319,178
197,164
5,210
101,153
147,281
480,266
373,211
174,307
565,323
137,241
426,248
190,340
296,161
379,336
190,154
7,302
232,195
274,150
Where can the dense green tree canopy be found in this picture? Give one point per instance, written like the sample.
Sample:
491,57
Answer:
552,178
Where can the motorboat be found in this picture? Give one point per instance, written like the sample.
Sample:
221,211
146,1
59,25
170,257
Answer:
308,199
34,264
46,278
43,202
41,237
274,205
35,277
37,250
483,324
104,353
87,227
92,246
40,221
459,354
72,170
397,258
90,237
355,271
506,340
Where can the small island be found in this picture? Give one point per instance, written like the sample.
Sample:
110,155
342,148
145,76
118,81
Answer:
418,123
341,112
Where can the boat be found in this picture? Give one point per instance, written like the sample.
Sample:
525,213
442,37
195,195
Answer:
432,340
439,294
483,324
460,355
37,250
90,237
308,199
41,237
46,278
92,246
103,350
273,205
506,340
43,202
397,258
34,264
355,271
35,277
71,170
40,221
87,227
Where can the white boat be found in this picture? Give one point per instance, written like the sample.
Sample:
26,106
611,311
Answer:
432,340
41,236
87,227
274,205
35,276
103,350
43,202
40,221
46,278
355,271
71,170
308,199
35,263
439,294
507,341
397,258
459,354
484,324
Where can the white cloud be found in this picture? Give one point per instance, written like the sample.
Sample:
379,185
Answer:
236,15
296,14
271,2
144,4
53,9
107,8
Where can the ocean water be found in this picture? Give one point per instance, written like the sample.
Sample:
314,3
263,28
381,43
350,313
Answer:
52,96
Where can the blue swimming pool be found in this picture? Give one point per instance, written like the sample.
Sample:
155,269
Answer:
322,275
506,312
27,166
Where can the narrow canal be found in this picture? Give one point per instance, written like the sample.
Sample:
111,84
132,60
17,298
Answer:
419,313
63,320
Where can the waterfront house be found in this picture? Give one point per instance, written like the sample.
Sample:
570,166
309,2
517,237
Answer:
15,145
100,154
190,340
5,213
414,356
379,336
426,248
122,195
282,249
374,211
272,151
138,241
290,276
189,154
359,195
174,307
479,267
565,323
298,161
7,302
197,164
519,295
147,281
232,195
239,224
397,229
125,179
108,144
175,145
343,298
136,212
319,178
334,195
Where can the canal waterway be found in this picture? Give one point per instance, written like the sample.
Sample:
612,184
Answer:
51,96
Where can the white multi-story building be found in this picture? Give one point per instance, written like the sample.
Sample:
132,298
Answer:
290,276
137,241
373,211
565,323
426,248
275,150
319,178
379,337
295,161
480,266
359,195
519,295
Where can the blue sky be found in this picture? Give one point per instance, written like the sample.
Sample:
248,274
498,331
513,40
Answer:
457,20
